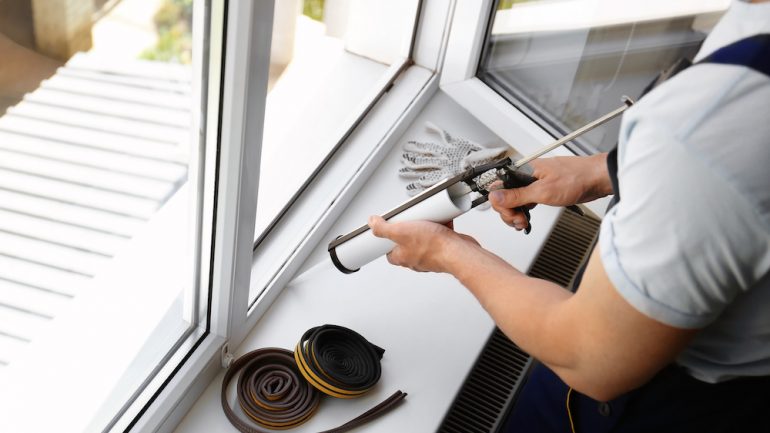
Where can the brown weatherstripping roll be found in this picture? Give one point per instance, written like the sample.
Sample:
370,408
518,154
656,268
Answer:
275,394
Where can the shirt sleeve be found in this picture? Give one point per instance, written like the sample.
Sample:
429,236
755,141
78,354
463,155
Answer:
682,243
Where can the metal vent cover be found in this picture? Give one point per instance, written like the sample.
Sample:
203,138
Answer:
490,390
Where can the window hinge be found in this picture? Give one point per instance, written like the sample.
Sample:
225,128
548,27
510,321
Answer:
226,357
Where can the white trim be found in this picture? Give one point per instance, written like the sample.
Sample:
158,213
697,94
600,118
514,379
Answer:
183,390
432,33
88,341
156,382
468,29
205,155
458,80
193,305
249,32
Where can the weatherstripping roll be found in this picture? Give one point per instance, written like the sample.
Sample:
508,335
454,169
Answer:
273,391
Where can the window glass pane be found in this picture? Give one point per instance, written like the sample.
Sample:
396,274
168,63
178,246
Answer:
97,217
566,62
330,59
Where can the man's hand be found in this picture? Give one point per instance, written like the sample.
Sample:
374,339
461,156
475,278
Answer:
421,245
561,181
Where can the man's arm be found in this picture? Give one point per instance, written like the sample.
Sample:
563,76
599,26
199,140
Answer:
594,340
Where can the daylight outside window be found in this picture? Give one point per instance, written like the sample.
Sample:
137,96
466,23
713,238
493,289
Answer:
99,198
330,60
566,62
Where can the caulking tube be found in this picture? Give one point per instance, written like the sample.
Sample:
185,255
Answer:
440,208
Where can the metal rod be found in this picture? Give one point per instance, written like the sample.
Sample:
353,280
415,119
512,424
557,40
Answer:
627,102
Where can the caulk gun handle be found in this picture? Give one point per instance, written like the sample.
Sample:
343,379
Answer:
517,179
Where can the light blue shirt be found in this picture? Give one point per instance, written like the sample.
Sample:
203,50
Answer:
689,243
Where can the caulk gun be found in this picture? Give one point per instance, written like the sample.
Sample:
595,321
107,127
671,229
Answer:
449,199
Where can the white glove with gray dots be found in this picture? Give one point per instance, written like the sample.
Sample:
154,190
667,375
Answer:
426,163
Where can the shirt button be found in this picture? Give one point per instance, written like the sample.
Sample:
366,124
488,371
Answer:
604,409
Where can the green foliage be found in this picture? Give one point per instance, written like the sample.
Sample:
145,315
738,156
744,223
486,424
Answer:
173,21
508,4
314,9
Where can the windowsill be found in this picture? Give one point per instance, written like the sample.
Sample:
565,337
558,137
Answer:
430,326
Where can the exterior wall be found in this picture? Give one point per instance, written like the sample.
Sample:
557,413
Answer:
62,27
16,22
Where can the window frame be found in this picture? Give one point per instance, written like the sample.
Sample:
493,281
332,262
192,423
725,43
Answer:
244,61
551,122
219,171
246,52
236,63
448,45
458,80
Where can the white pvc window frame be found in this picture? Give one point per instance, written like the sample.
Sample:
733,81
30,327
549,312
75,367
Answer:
447,46
239,49
459,81
235,122
216,175
448,41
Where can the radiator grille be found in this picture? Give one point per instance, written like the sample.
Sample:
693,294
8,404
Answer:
491,387
566,249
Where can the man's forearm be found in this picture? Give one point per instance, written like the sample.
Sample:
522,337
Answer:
601,185
525,308
594,340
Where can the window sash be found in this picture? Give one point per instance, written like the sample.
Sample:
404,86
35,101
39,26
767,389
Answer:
351,158
247,29
274,247
459,80
628,42
238,48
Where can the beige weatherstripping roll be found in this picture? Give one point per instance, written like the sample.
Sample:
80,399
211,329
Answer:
363,248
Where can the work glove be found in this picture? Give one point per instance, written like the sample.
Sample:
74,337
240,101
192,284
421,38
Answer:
426,163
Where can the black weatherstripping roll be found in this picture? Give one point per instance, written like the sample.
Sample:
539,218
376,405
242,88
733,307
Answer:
279,389
338,361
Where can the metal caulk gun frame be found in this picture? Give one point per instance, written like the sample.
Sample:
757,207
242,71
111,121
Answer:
505,170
